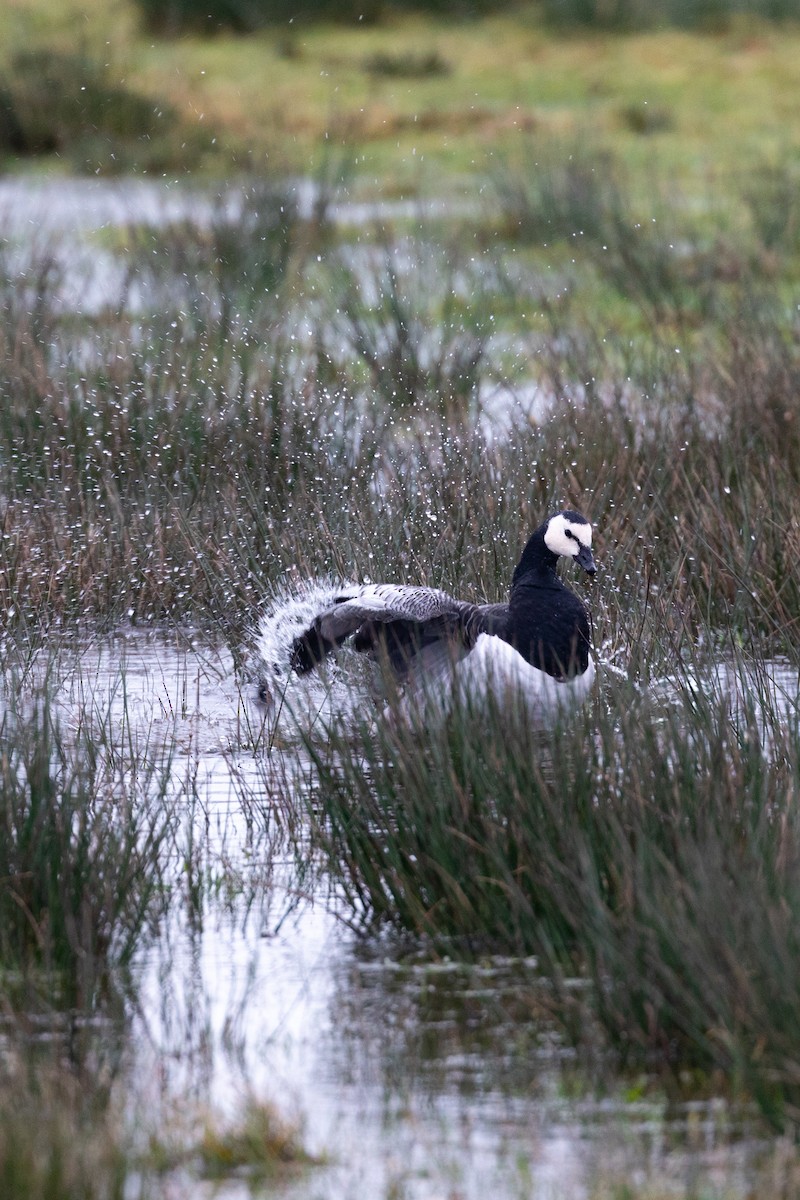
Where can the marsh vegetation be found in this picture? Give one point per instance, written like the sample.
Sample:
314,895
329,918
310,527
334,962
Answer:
210,408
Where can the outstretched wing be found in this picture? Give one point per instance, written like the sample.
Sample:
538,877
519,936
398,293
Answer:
409,626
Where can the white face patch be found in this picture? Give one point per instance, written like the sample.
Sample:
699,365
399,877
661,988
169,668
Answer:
566,537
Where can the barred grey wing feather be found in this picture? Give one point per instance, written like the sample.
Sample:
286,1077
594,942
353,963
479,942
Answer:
410,625
384,603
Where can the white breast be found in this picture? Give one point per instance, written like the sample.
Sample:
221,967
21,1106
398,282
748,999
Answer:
495,668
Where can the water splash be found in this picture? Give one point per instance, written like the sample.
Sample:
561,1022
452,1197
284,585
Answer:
335,691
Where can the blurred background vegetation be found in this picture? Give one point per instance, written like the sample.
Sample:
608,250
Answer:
409,89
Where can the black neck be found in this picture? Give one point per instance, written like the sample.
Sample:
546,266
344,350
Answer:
536,559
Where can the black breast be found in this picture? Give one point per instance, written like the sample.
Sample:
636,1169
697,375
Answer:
549,627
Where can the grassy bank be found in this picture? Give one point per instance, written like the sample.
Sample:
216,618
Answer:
412,96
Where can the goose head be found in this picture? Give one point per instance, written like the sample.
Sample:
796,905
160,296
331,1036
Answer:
569,535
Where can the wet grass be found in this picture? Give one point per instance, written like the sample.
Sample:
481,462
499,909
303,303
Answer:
87,817
412,316
60,1139
649,847
107,860
259,402
261,1142
65,1133
84,829
256,1143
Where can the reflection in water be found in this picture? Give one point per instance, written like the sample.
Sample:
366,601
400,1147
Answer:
415,1078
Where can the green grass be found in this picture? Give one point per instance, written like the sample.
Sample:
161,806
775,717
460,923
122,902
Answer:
723,99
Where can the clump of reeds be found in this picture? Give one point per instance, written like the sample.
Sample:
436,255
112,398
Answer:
82,880
412,316
260,1142
650,845
66,1133
555,192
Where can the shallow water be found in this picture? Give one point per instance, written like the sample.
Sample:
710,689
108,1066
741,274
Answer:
412,1078
62,216
66,223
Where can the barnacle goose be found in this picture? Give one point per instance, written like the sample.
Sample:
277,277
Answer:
537,644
